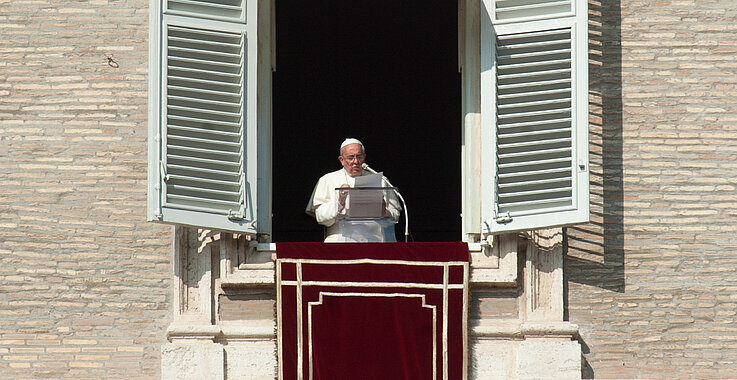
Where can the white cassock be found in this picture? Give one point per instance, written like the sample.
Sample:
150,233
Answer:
325,208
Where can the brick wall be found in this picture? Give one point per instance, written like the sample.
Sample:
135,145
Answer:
651,281
84,279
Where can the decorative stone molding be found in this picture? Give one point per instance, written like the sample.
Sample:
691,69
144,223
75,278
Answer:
544,276
201,346
193,271
494,262
192,332
535,344
246,263
522,330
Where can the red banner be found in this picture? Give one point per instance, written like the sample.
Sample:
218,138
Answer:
372,311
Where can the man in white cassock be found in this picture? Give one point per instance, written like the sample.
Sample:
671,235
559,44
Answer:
329,206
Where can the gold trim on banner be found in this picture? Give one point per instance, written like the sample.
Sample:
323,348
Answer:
386,295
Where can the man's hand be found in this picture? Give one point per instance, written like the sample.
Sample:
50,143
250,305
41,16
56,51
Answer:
343,194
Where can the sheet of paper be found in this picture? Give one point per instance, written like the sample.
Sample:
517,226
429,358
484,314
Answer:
366,203
371,180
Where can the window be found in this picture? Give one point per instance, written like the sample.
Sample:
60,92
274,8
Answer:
210,115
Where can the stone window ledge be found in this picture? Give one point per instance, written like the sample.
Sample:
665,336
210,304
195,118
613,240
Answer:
491,264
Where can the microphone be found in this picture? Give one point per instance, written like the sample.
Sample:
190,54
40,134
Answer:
401,198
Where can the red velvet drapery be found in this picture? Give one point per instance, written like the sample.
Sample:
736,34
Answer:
372,310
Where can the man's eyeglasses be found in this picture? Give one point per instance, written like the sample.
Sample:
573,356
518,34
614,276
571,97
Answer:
359,157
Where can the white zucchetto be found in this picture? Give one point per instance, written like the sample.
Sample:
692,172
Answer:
349,141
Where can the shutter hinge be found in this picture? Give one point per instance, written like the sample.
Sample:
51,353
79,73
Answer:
488,242
239,215
165,177
162,170
503,218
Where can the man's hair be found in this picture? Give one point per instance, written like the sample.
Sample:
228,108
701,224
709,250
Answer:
349,141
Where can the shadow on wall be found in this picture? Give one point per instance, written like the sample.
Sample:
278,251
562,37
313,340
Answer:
595,251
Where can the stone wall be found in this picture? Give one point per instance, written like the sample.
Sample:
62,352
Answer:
650,280
84,280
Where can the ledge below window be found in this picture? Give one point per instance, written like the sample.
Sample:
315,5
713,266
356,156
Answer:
491,264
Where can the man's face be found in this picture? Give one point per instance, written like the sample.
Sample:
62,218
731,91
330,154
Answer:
352,159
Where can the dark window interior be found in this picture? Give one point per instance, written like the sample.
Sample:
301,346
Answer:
382,71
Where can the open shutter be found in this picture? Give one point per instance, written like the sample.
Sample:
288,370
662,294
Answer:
534,114
204,118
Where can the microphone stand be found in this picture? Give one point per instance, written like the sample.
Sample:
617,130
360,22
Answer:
401,198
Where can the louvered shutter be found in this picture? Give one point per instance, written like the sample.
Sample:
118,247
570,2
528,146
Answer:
534,114
227,10
530,9
203,119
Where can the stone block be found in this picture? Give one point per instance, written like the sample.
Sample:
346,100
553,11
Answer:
192,360
493,359
251,359
541,358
